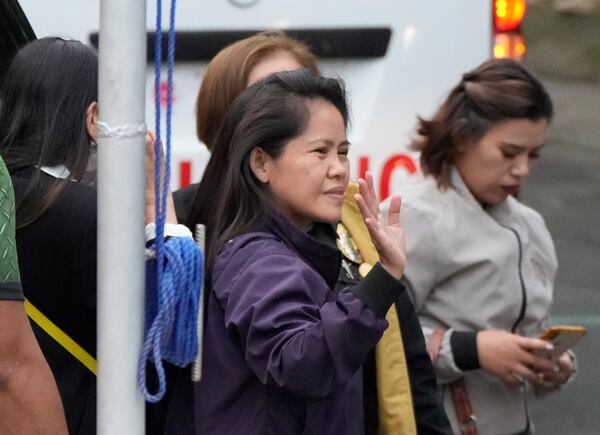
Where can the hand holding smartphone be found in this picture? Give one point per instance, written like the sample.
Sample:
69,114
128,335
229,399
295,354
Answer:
563,337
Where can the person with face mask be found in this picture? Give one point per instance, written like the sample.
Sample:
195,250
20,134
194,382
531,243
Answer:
482,264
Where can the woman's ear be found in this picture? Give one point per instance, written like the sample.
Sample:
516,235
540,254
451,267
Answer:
91,121
260,163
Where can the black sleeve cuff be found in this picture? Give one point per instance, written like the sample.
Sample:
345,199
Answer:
464,350
11,291
378,290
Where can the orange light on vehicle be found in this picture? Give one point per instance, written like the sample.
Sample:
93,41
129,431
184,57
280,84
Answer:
509,45
509,14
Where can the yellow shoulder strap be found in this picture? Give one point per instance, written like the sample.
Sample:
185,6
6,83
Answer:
60,337
395,406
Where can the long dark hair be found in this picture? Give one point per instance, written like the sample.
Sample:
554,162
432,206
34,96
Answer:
497,90
230,200
46,91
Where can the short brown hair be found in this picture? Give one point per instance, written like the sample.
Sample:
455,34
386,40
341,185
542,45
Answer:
227,76
497,90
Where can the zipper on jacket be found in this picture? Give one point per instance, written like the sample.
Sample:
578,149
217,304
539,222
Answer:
522,281
520,318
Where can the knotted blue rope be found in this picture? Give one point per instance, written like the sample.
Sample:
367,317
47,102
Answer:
173,280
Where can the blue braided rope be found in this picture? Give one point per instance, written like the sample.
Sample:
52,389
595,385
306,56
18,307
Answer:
170,68
171,312
173,281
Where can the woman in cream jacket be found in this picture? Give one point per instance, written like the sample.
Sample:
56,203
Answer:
481,265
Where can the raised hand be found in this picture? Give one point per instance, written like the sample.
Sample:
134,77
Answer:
511,357
388,238
150,191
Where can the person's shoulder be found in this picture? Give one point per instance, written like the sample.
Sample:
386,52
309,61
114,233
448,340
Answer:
529,218
524,212
183,200
422,198
253,247
77,201
83,192
186,193
252,253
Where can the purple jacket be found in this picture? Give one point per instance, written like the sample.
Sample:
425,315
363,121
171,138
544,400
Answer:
282,352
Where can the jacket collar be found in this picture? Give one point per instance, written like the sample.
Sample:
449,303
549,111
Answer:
323,257
58,171
500,212
461,188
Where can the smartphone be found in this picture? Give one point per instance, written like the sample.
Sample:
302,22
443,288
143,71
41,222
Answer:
563,337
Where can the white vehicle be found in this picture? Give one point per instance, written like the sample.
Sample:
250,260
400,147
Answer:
398,57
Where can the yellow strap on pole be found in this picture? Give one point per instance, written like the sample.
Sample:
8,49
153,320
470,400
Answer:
60,337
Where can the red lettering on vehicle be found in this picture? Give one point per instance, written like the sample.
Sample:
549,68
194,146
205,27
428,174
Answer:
363,166
185,173
397,161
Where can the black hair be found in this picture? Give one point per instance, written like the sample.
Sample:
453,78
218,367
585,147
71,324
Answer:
44,97
230,200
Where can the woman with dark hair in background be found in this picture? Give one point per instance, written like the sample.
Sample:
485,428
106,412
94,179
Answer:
48,123
282,350
231,71
482,264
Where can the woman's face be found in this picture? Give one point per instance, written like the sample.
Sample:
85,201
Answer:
275,62
494,167
308,179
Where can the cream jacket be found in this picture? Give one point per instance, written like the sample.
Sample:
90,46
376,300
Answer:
472,269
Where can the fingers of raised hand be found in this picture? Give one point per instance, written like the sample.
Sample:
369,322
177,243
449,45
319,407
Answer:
366,197
150,142
378,236
367,190
372,222
364,209
372,231
394,211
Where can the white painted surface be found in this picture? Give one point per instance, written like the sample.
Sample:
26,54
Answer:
433,42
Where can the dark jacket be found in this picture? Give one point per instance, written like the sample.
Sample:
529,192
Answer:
184,200
57,259
430,417
429,413
282,352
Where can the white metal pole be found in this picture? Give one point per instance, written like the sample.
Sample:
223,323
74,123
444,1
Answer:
121,167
